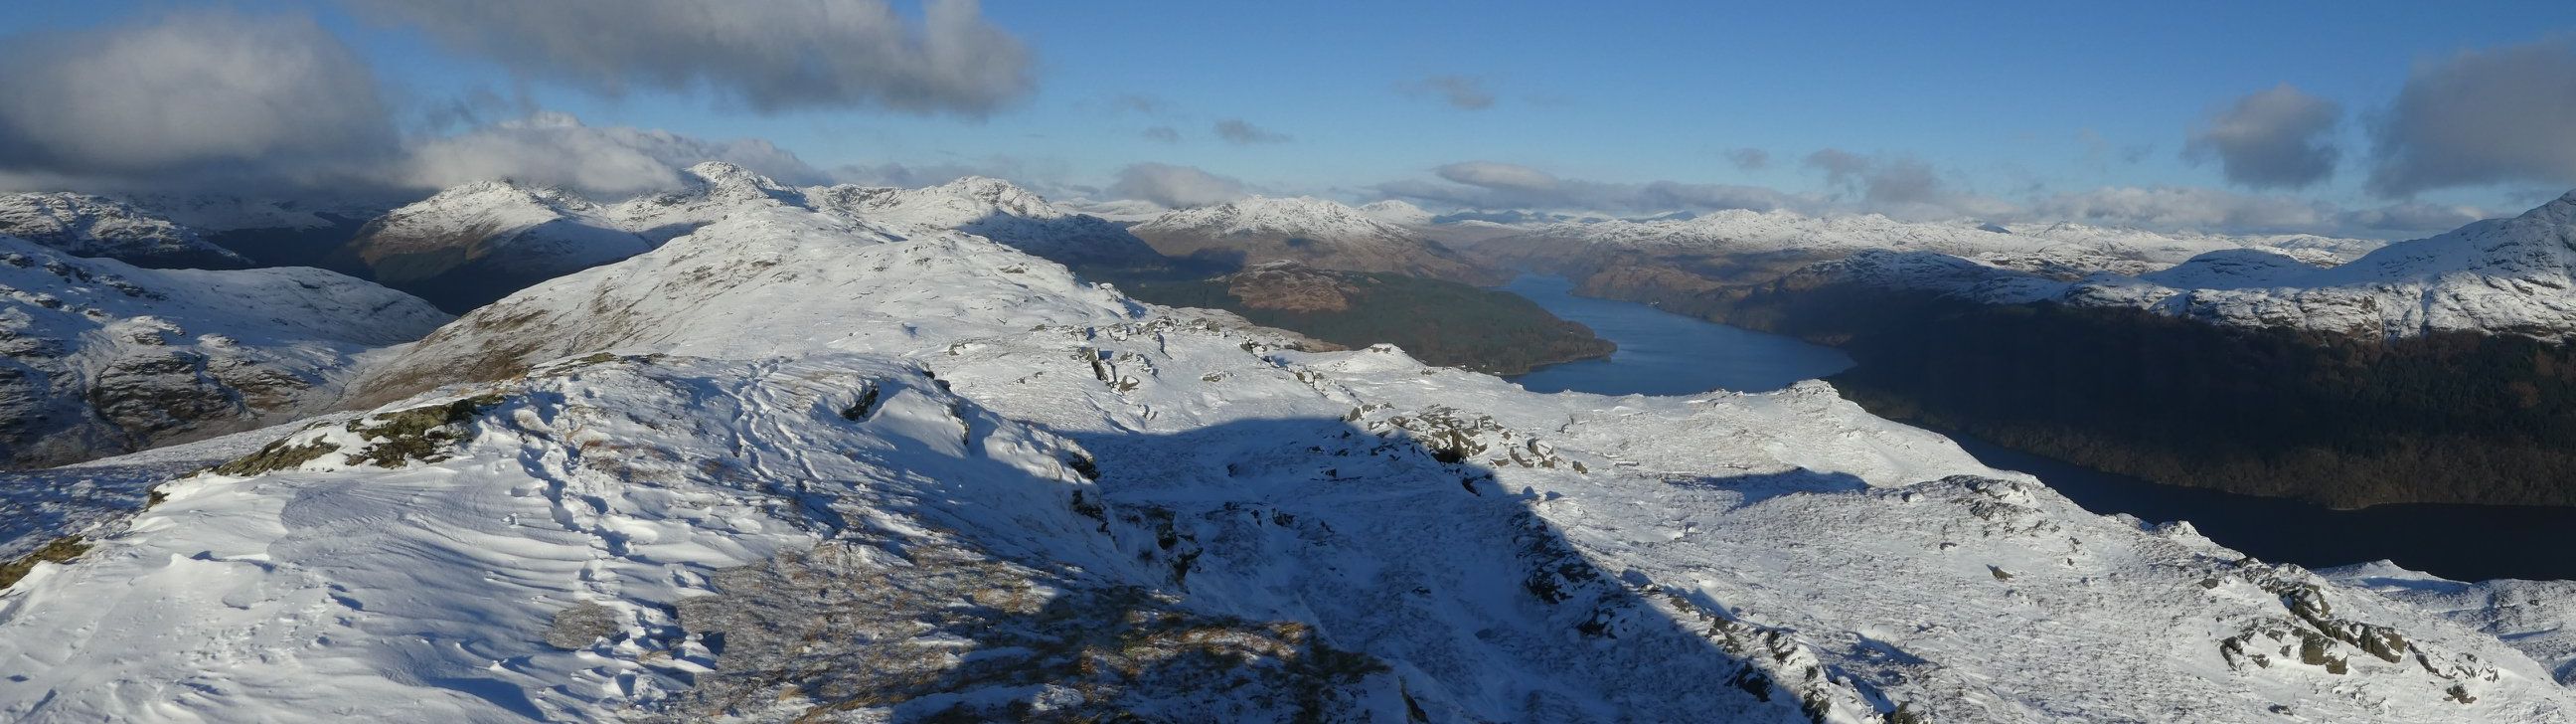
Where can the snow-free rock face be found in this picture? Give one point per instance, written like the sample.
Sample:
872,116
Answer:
102,357
1319,233
93,226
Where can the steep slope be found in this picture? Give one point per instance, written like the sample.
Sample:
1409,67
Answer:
474,243
997,210
103,357
274,232
1319,233
93,226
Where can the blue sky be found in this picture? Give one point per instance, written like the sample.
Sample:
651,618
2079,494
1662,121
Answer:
2009,100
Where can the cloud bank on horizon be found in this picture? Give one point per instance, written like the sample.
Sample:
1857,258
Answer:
281,103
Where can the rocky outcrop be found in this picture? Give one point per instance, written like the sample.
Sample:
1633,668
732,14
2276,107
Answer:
93,226
103,358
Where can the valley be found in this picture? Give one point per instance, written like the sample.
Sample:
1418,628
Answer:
1666,353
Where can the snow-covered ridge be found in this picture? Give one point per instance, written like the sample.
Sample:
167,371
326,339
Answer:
453,246
997,210
1317,232
2028,246
102,356
2499,276
94,226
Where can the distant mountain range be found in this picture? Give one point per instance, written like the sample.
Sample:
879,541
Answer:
1316,232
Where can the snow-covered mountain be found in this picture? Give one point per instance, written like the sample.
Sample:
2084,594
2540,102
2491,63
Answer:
2057,249
1316,232
2499,276
475,243
1396,212
99,357
997,210
94,226
799,465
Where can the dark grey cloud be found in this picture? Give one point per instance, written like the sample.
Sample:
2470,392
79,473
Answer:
1749,159
1165,134
202,97
2279,138
1492,185
1175,186
2502,115
1459,91
768,55
1238,132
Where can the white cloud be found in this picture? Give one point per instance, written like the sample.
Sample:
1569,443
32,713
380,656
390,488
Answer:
1493,185
1175,186
555,149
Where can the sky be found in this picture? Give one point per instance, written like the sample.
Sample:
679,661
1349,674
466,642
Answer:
2355,118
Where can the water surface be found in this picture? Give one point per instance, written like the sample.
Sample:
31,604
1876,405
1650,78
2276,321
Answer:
1668,354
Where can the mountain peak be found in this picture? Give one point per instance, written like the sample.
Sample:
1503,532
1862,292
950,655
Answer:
724,179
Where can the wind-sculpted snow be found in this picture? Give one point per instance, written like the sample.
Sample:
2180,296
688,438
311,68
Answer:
795,465
102,357
91,226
